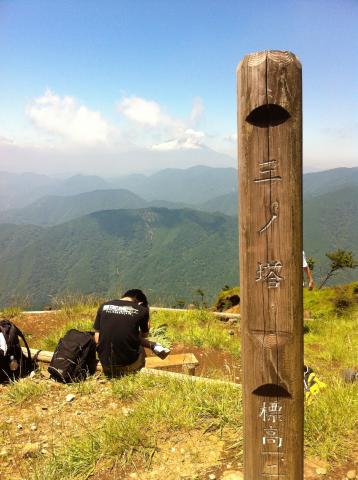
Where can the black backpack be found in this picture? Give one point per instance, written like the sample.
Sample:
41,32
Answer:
14,364
74,358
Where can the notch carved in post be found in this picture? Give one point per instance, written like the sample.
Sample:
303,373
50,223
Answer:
271,390
268,115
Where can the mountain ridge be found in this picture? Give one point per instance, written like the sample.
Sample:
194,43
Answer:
163,251
169,252
200,187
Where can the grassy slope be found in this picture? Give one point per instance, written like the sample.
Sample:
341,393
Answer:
117,442
120,426
331,345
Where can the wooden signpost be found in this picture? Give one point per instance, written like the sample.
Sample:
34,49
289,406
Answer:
270,185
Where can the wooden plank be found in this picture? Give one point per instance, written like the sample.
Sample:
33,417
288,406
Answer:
270,186
188,361
175,360
165,373
39,312
184,377
42,355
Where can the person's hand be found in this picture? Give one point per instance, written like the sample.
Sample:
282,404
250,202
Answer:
310,285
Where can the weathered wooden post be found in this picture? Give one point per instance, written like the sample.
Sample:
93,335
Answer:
270,185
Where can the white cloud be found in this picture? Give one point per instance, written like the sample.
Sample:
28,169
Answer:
70,137
81,130
65,117
148,113
144,112
187,140
196,111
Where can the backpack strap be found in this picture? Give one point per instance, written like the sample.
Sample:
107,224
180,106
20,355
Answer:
21,335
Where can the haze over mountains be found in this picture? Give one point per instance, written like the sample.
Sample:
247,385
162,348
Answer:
52,210
89,234
50,200
190,186
18,190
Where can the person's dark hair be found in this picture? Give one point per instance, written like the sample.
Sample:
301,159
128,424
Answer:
137,295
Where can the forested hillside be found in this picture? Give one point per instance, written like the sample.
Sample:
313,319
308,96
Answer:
331,222
169,253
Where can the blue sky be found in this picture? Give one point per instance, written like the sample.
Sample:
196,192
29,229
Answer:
128,85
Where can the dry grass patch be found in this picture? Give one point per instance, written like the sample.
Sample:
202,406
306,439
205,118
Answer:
151,411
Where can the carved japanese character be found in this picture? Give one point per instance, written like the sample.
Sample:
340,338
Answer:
274,215
269,272
271,413
274,440
266,172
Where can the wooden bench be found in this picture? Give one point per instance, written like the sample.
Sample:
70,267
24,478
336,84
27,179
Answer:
187,361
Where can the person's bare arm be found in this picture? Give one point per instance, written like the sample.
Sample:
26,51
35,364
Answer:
144,342
96,337
309,278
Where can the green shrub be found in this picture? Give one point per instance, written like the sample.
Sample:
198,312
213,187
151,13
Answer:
223,301
344,298
342,302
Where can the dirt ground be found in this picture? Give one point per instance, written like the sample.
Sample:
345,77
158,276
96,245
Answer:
38,428
37,325
212,363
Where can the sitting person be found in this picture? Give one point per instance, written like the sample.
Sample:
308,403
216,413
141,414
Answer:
121,327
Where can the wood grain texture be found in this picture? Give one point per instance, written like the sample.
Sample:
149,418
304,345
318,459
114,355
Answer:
270,186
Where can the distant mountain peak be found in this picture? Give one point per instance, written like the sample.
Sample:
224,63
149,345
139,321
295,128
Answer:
189,140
